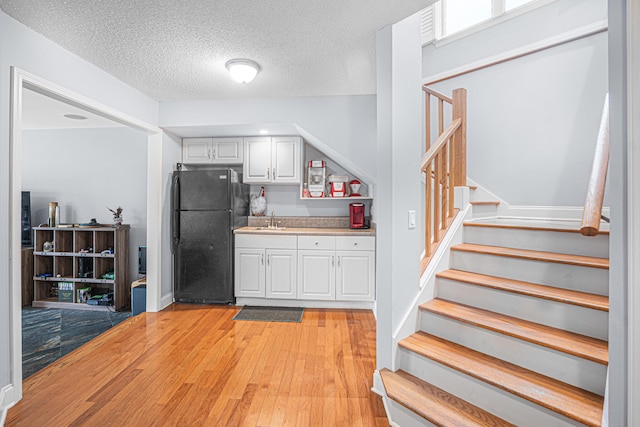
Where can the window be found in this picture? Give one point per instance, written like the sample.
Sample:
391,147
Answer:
447,17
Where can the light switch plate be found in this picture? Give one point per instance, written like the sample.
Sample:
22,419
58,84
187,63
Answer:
412,219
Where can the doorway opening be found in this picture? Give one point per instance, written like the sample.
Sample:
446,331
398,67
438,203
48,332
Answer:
22,81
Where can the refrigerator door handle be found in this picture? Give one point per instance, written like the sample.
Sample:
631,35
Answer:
175,214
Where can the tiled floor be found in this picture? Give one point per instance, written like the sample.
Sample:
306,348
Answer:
50,333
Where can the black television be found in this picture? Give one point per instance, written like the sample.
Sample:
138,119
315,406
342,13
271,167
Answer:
27,235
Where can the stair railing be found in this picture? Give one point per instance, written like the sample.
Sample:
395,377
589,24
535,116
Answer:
444,165
595,190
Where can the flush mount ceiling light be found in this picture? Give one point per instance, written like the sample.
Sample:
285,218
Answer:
75,117
243,70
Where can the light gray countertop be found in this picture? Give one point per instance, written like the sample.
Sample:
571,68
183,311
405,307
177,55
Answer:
305,231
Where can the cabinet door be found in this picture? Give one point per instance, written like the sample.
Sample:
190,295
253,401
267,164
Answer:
355,276
196,150
227,150
316,275
281,273
250,272
285,159
257,164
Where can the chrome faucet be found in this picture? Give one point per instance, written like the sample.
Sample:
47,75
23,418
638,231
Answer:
273,220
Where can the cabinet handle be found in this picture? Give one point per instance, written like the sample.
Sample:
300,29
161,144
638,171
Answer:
214,153
316,243
268,259
274,173
332,261
209,153
338,261
268,170
355,244
262,259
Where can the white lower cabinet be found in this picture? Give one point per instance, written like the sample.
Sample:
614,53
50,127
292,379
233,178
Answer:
265,266
336,268
319,268
355,273
281,273
316,275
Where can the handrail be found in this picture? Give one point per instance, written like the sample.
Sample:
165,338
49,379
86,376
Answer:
595,190
442,139
437,94
444,165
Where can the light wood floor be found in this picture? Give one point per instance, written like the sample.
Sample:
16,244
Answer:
191,365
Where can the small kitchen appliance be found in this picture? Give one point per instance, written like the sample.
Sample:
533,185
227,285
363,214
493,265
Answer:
356,215
337,185
354,186
316,172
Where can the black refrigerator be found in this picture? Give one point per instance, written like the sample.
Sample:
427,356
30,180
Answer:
207,205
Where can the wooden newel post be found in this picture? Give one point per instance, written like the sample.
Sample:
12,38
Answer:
459,146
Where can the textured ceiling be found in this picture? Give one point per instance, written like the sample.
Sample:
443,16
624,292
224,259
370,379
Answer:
176,50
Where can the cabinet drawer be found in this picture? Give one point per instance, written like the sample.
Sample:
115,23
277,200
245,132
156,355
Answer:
317,242
355,243
263,241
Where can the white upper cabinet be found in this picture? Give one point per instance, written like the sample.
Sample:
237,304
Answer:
257,167
212,151
272,160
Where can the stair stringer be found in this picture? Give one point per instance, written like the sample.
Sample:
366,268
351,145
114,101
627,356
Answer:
425,291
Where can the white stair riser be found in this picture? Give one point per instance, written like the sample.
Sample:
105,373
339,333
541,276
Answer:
492,399
539,240
586,279
485,211
403,417
564,367
581,320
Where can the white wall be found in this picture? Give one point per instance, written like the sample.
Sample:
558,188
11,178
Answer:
621,223
24,48
533,121
399,140
86,171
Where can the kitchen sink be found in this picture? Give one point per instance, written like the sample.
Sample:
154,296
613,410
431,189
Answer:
270,228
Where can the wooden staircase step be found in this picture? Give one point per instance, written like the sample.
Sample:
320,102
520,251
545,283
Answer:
486,202
579,260
570,401
434,404
566,296
562,229
558,339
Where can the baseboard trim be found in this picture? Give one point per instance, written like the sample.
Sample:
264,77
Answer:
166,301
6,394
378,388
304,303
561,213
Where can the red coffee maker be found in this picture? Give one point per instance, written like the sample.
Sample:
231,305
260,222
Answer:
356,215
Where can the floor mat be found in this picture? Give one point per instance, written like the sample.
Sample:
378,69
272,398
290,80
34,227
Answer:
270,314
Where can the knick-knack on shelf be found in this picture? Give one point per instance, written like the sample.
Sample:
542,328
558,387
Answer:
117,216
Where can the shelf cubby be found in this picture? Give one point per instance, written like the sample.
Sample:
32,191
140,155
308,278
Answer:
83,241
44,235
63,267
63,241
103,241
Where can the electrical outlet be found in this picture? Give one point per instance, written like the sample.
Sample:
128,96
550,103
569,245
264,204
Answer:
412,219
